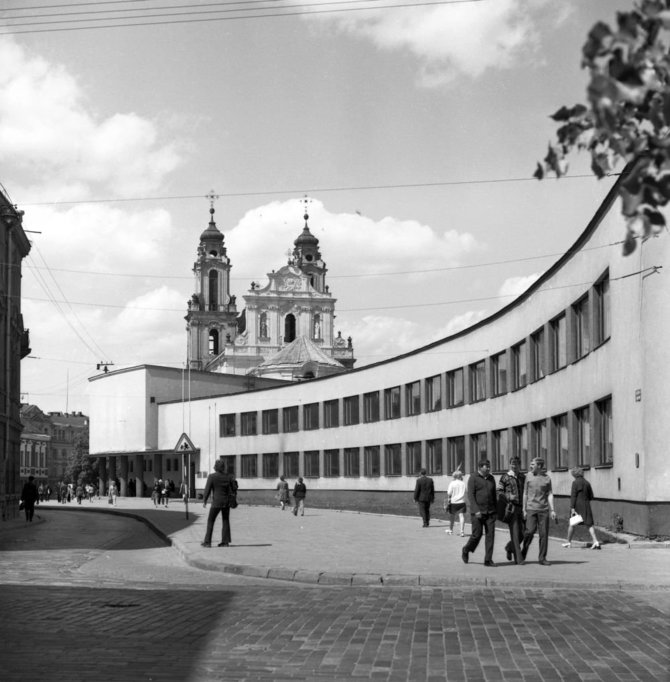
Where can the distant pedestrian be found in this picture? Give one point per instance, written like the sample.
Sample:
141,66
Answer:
282,487
40,492
538,507
482,504
156,492
113,493
165,493
79,493
222,487
581,495
424,496
455,501
89,492
510,508
299,494
29,495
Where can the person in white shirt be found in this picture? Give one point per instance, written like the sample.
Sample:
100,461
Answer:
455,502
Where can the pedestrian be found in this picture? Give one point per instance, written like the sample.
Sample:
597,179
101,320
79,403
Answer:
113,492
455,501
156,492
29,495
510,508
40,492
299,493
581,495
89,492
282,487
538,506
424,496
165,493
482,504
79,493
222,487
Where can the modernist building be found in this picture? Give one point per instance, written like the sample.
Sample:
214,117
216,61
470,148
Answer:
574,370
14,247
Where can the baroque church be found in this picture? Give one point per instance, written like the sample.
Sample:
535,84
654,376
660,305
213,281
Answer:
286,327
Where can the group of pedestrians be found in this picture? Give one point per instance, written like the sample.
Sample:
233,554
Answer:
162,491
299,494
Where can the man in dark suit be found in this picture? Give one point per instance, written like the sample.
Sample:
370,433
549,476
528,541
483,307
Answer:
223,487
483,507
424,495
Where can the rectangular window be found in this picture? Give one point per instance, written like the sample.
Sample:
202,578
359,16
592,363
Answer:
392,459
270,421
605,435
228,464
559,343
413,398
560,444
499,374
291,464
371,461
331,463
499,456
582,331
392,403
270,464
601,322
248,423
434,456
455,384
478,381
519,365
331,414
350,409
226,425
478,450
520,444
539,442
311,463
455,454
352,462
169,464
583,436
249,466
537,354
434,394
413,454
371,407
290,419
310,415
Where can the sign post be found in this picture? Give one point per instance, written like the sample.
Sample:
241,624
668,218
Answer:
185,448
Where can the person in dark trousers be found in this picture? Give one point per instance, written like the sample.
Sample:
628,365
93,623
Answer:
424,496
299,493
222,487
538,507
29,495
510,492
483,507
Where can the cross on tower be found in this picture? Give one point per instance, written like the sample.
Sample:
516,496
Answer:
212,196
306,201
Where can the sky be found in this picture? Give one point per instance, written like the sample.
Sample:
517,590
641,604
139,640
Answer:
413,132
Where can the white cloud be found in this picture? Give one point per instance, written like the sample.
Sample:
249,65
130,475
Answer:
515,286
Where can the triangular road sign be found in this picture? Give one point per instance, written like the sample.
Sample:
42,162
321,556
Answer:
184,444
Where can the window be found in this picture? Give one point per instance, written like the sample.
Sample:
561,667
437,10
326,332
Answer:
290,419
311,463
499,374
392,403
434,456
499,456
270,464
455,454
249,466
248,423
226,425
351,410
213,342
537,354
213,290
310,414
331,463
539,442
455,387
582,338
331,414
519,365
371,461
559,356
168,463
352,462
583,436
291,464
371,407
270,421
601,322
228,464
413,398
560,441
434,394
478,381
520,444
392,459
478,450
413,454
289,328
604,431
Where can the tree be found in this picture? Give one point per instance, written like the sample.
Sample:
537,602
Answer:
79,468
626,117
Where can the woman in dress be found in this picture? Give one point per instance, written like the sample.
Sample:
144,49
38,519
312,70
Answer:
455,502
580,503
284,497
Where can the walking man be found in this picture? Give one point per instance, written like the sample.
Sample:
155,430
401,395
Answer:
510,492
538,506
424,495
29,495
299,493
222,487
482,503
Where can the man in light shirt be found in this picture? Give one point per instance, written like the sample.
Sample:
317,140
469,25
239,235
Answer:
538,506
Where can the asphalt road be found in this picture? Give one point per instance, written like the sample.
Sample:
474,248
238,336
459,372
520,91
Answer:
96,597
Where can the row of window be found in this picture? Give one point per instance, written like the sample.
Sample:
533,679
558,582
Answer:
579,437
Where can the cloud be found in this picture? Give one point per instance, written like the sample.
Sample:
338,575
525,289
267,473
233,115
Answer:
515,286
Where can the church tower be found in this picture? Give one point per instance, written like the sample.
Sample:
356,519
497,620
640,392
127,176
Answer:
211,321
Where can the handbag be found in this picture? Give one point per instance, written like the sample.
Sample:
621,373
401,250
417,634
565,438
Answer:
232,500
509,512
576,520
21,505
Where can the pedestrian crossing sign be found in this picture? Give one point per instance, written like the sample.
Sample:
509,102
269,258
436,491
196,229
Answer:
184,444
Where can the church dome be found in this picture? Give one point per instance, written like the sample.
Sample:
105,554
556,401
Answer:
306,238
212,232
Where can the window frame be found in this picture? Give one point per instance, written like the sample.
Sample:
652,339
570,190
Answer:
413,398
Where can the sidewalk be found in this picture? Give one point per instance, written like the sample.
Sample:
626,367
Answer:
350,548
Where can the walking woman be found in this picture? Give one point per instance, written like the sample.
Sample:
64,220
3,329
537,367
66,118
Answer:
282,487
580,503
